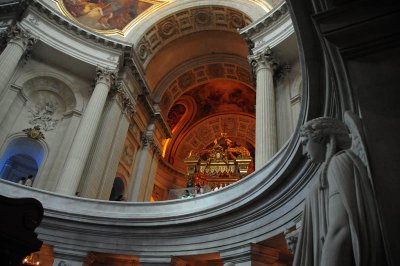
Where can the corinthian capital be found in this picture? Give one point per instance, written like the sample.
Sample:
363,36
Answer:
263,59
21,37
106,76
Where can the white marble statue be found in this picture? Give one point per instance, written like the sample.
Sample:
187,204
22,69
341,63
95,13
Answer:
340,220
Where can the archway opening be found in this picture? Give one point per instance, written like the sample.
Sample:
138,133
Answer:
22,157
118,190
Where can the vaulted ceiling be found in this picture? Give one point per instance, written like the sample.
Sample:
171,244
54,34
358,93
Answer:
199,74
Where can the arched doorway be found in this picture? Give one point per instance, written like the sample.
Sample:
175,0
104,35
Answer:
22,157
18,166
118,189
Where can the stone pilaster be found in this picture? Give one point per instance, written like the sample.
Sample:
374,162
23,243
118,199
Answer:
19,42
146,160
106,151
266,139
78,154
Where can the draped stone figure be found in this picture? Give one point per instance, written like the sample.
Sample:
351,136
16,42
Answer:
340,221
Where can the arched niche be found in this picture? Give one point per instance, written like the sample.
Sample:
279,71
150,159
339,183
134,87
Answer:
118,189
22,156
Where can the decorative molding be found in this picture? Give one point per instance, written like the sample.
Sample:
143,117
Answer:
43,116
80,31
21,36
201,74
127,154
188,21
147,140
263,59
121,94
34,133
106,76
291,239
163,123
273,17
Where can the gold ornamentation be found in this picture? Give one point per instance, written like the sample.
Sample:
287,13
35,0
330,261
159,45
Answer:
34,133
221,163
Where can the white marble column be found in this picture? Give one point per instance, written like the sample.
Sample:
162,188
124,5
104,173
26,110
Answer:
266,139
19,42
104,157
77,156
142,176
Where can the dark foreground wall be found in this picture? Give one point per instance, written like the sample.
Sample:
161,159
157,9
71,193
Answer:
19,218
357,44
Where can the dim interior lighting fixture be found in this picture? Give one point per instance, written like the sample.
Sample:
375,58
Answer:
32,259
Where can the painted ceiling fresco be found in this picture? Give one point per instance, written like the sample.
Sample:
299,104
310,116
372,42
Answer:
223,96
219,96
103,15
175,115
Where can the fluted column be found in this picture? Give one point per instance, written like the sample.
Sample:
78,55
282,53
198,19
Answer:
77,156
143,177
19,41
266,139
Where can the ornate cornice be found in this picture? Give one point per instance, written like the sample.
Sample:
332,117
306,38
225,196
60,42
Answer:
188,21
71,26
160,119
273,17
121,94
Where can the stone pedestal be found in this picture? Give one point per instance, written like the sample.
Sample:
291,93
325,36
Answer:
266,140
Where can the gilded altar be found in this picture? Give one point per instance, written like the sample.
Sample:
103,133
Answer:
221,163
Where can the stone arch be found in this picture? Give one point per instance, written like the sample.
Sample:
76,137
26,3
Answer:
55,83
22,156
253,10
200,75
118,188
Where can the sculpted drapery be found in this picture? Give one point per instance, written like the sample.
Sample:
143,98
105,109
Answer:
340,222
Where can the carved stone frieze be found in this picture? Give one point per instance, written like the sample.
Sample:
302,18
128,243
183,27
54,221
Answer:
186,22
120,94
127,154
274,17
43,115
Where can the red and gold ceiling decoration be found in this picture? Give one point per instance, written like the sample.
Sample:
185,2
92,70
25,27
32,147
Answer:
202,113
